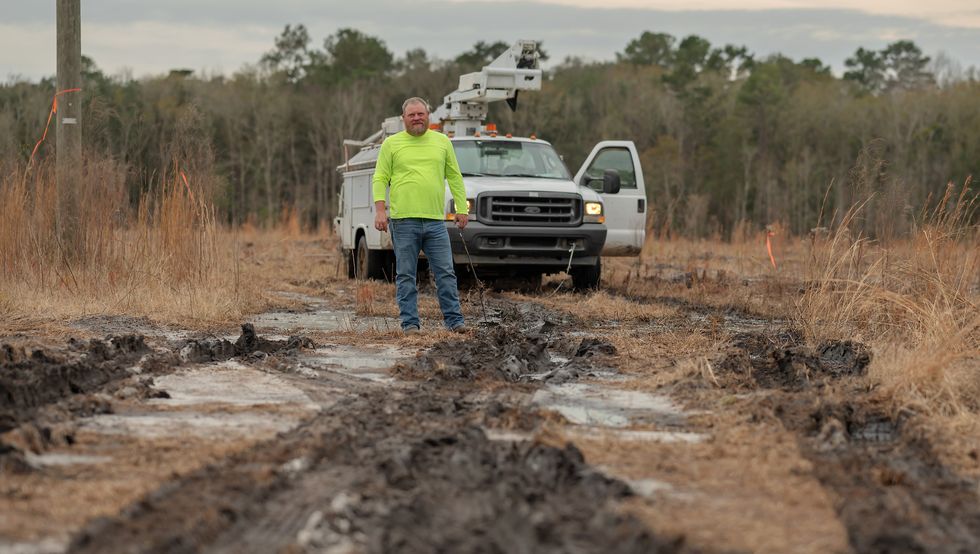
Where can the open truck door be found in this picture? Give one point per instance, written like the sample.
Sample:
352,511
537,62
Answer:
612,163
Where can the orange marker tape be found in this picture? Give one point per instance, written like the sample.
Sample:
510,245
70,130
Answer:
769,234
54,110
188,185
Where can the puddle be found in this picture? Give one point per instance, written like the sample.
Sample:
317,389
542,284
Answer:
228,382
506,435
648,487
46,546
61,459
219,425
591,404
639,435
213,389
323,320
367,362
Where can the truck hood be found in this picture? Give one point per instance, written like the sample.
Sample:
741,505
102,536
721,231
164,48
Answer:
478,185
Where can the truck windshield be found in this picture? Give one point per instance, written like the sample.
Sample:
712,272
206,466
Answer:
509,158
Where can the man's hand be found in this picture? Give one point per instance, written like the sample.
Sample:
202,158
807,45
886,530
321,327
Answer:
462,220
380,217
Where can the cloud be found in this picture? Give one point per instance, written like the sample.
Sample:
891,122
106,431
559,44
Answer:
223,34
958,13
160,46
27,50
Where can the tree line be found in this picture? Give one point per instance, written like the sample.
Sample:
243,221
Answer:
727,139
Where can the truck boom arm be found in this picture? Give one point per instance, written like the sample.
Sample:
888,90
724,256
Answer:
463,111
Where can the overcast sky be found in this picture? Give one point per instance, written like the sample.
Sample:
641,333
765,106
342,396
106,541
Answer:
221,35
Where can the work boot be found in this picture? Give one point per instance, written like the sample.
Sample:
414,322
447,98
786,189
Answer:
411,330
461,328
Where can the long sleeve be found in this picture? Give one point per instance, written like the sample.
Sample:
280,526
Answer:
455,179
382,172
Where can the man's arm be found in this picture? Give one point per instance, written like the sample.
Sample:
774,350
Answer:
379,184
456,186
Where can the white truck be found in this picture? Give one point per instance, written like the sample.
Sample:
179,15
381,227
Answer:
529,216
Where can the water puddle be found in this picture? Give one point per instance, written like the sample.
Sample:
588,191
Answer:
596,405
649,487
228,382
55,459
364,362
208,401
216,425
638,435
322,319
507,435
45,546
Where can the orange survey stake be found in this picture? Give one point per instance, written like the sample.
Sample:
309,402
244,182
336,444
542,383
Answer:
769,235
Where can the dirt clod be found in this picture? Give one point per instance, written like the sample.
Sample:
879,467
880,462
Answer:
247,344
509,354
31,379
783,361
592,346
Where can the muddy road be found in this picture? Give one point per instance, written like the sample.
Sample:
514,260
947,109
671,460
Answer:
669,427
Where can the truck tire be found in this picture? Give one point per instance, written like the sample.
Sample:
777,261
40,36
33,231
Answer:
369,264
587,278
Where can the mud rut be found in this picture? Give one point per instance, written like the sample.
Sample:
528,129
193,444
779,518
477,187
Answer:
408,466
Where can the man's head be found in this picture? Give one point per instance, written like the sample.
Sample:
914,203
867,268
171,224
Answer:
415,115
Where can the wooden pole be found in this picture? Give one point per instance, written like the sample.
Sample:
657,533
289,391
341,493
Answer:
68,170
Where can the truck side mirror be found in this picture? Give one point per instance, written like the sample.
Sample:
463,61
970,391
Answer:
610,181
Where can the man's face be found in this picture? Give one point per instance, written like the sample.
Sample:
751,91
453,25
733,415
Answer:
416,118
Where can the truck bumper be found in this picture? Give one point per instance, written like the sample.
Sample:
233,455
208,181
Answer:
545,248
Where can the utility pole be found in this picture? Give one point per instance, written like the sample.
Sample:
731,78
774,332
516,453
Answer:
68,170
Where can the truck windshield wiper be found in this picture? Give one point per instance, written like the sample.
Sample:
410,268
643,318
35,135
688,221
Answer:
532,175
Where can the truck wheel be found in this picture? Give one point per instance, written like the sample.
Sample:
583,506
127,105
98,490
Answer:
369,264
587,278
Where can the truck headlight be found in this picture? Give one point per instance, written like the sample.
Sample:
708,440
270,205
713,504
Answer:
593,213
451,211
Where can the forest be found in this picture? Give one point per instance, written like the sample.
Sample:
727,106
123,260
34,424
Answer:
730,141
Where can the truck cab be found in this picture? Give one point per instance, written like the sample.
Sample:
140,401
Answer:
530,217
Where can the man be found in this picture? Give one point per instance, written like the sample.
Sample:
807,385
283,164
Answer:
417,163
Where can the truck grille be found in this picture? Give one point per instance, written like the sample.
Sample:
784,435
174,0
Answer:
555,209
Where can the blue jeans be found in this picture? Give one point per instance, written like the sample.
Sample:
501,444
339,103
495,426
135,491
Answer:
409,236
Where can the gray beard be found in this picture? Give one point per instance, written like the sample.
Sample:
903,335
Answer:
414,134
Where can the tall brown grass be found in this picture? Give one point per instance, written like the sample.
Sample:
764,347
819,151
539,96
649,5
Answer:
163,256
915,300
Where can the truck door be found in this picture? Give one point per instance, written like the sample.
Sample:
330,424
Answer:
625,210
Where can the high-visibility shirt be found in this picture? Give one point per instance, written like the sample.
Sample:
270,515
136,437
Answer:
417,168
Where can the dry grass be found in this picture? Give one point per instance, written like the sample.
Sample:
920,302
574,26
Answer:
915,301
601,305
167,259
736,274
